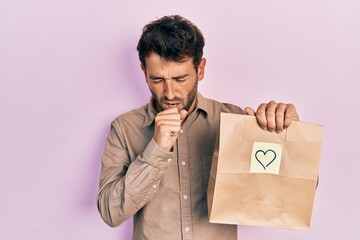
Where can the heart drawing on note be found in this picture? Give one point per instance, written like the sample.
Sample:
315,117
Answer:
265,158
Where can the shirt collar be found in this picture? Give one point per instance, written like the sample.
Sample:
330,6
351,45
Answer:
201,105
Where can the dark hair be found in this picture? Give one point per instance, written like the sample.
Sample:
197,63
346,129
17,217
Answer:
173,38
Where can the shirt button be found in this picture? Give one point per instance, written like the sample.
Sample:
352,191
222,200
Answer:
183,163
154,186
185,196
187,229
169,159
181,131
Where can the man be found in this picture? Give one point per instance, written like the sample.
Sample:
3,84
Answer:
157,158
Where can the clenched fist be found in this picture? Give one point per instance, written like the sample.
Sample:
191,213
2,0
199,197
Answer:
167,127
274,116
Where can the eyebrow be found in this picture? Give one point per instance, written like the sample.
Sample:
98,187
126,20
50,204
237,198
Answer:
177,77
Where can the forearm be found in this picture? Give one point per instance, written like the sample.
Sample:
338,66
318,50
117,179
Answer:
123,192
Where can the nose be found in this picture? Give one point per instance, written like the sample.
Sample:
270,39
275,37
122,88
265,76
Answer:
169,89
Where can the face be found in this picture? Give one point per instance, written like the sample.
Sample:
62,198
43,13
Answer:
173,84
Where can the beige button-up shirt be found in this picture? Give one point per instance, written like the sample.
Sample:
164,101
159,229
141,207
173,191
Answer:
164,191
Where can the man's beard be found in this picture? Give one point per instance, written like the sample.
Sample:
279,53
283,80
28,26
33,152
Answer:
191,96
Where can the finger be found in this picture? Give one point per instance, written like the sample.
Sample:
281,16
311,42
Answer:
249,111
172,131
166,123
261,116
279,117
270,115
169,111
183,113
290,115
168,115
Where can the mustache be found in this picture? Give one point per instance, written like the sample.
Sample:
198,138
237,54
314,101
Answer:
175,99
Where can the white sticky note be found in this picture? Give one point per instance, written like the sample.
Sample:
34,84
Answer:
266,158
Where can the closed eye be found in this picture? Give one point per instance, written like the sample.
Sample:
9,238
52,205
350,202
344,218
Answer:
156,79
181,78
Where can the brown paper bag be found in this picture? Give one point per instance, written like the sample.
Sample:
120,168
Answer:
264,178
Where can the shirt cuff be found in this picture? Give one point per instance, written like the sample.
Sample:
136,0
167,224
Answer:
156,155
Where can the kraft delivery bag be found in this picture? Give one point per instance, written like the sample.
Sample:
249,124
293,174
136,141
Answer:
264,178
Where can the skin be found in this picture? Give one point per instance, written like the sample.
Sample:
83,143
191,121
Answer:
274,116
174,87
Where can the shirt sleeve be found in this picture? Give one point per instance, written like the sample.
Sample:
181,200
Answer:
125,185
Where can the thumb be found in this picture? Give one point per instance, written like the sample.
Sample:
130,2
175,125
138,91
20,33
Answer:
249,111
183,113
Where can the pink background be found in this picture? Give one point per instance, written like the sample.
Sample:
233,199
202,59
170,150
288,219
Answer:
67,68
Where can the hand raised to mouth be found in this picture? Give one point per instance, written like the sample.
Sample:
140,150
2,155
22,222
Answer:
167,127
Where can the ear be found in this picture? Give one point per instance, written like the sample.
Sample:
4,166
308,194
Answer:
201,69
144,70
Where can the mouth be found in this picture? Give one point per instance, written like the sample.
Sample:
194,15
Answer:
168,105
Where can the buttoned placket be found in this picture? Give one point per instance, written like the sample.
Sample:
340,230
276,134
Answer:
185,186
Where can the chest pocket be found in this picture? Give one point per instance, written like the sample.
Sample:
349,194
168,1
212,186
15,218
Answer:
206,165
